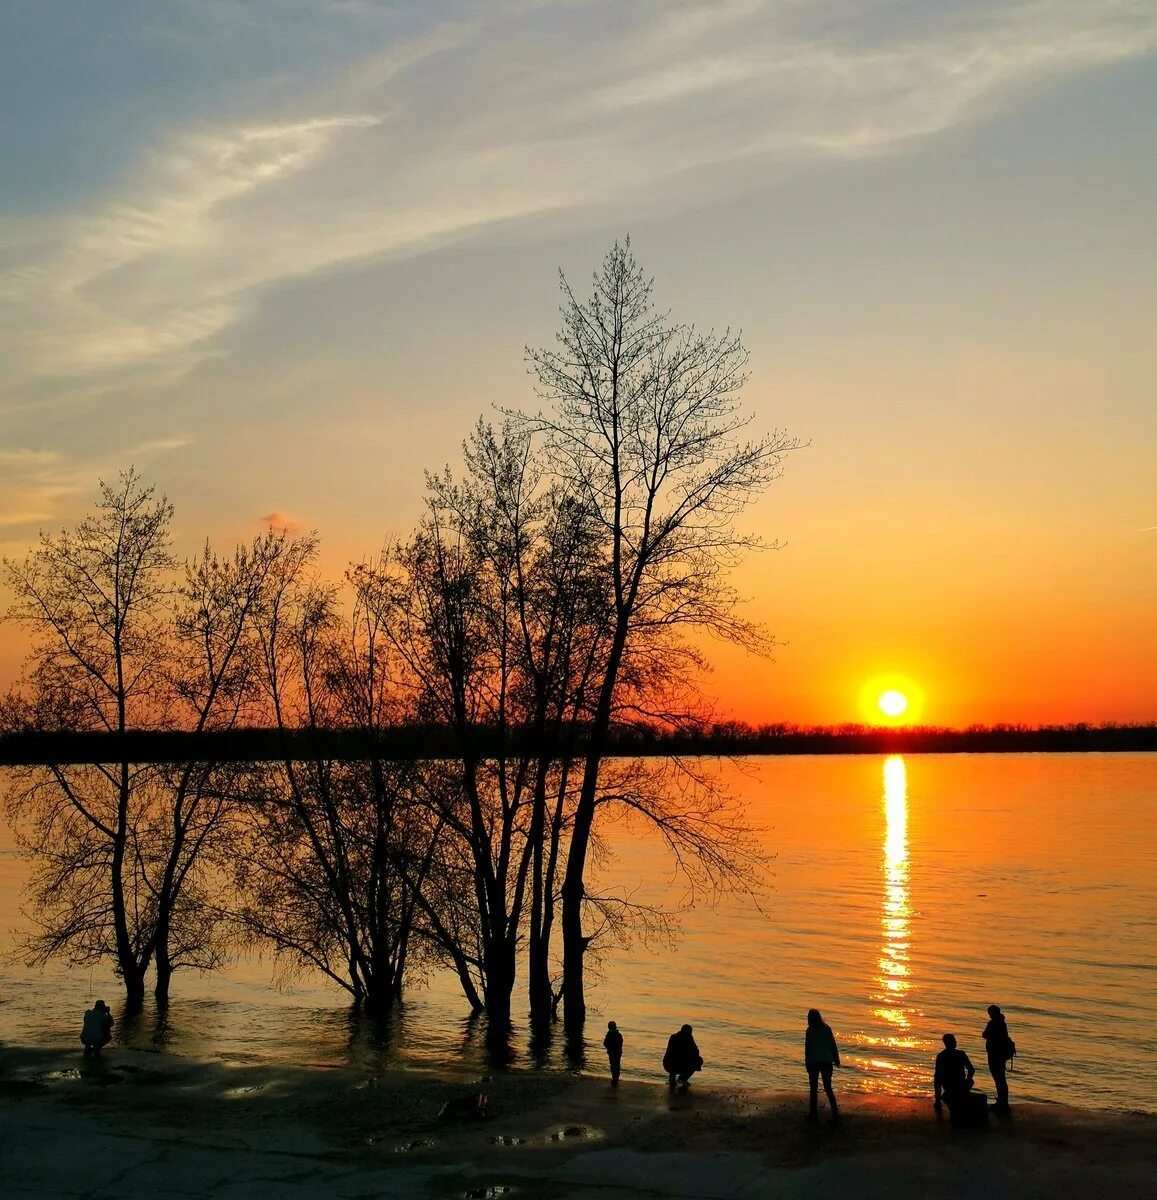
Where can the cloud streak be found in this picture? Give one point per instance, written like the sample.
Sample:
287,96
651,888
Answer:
461,126
36,484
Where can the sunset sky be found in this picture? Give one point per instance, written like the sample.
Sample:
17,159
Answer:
281,254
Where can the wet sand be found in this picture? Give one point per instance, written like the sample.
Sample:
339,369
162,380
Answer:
156,1125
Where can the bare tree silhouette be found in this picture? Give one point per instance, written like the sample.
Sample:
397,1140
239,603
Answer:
643,425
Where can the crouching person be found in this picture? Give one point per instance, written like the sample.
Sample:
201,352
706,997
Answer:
952,1085
96,1032
682,1059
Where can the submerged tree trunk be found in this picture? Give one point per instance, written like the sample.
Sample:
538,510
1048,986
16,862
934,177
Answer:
381,992
574,942
163,974
134,985
500,970
131,965
538,939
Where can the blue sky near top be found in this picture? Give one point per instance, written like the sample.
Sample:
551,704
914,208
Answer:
281,254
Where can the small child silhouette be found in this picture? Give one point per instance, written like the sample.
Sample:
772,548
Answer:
614,1047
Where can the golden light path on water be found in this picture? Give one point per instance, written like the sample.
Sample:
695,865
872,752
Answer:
893,982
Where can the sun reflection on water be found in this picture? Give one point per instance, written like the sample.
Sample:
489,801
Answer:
894,978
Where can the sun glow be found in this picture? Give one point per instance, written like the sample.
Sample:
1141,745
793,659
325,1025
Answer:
891,699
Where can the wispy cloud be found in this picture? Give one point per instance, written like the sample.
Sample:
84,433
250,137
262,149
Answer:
467,124
36,484
163,269
31,484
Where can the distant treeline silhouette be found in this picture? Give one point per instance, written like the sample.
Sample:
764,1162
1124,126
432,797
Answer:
737,738
417,743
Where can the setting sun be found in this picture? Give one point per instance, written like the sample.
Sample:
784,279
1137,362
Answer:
891,698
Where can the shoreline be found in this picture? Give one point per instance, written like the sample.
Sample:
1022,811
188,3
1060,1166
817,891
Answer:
151,1123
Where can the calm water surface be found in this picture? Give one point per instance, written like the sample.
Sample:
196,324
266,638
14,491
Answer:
907,894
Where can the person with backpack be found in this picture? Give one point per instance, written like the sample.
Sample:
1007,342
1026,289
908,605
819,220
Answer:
1001,1048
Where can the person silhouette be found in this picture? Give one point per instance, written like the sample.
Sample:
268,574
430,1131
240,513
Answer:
820,1055
613,1043
682,1059
96,1031
1000,1049
953,1077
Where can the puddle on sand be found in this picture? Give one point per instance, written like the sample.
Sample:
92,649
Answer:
242,1091
572,1133
99,1078
503,1140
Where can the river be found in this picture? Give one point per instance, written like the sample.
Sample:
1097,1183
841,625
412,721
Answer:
906,894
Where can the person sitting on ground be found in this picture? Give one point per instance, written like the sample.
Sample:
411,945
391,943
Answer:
96,1031
682,1059
820,1055
954,1075
613,1044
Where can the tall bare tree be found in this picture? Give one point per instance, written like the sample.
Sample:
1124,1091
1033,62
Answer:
94,600
538,543
211,684
122,643
643,425
334,853
446,615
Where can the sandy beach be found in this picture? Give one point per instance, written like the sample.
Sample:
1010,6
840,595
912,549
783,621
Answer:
157,1125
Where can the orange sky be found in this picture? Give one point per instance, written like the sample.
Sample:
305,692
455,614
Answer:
292,282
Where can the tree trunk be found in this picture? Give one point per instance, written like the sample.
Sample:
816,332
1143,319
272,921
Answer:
134,981
538,944
574,943
465,979
538,977
380,994
163,967
131,971
163,931
574,946
500,970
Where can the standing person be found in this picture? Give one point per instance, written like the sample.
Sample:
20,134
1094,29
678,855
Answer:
1000,1049
820,1055
613,1043
682,1059
96,1031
